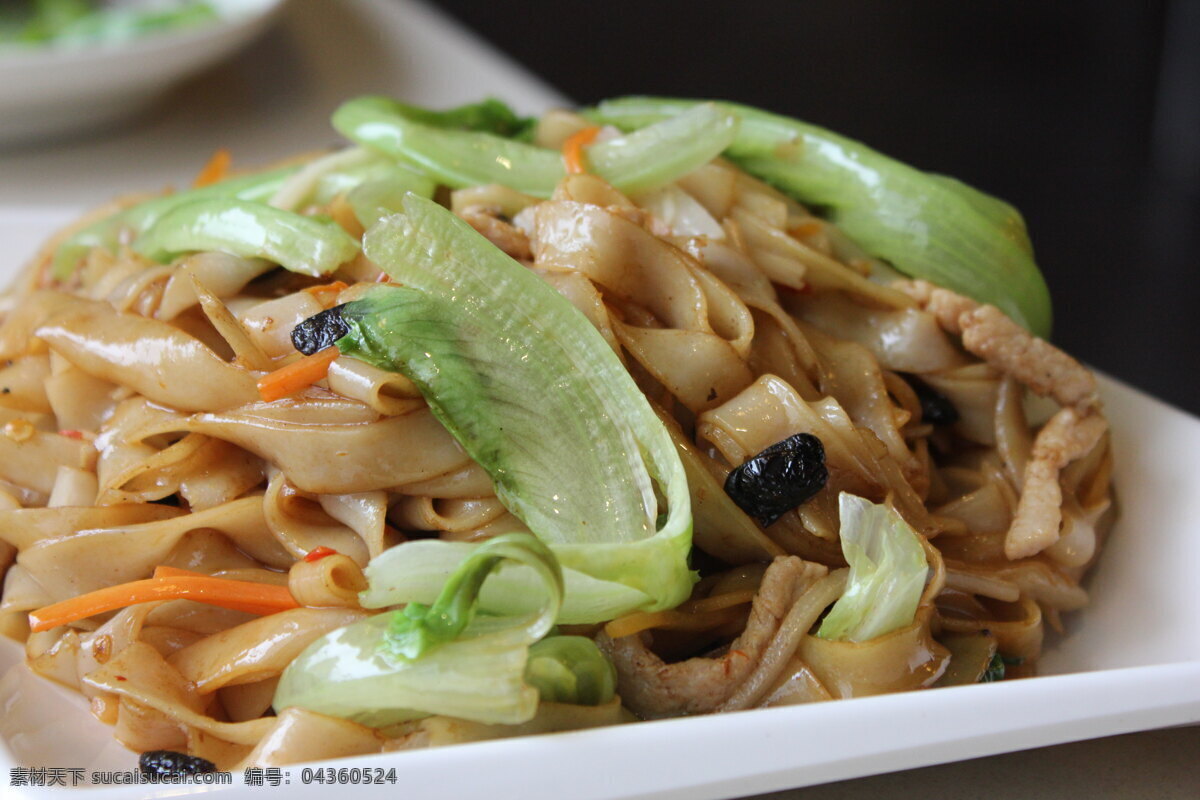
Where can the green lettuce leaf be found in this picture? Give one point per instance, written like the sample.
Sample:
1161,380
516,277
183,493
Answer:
533,392
887,572
640,161
439,659
928,226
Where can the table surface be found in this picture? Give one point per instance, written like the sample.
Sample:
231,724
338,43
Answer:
276,98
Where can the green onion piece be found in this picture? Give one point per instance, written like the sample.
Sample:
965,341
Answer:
994,671
928,226
127,225
571,669
971,654
532,391
403,665
301,244
638,162
887,572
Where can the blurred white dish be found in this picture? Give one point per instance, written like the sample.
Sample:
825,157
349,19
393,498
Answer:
48,91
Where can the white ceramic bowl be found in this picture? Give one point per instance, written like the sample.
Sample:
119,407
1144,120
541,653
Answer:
49,92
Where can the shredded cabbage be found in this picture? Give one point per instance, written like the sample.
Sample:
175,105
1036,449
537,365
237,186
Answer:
441,659
887,572
638,162
928,226
504,360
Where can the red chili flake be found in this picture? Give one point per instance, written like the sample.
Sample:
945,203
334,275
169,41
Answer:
317,553
122,678
71,433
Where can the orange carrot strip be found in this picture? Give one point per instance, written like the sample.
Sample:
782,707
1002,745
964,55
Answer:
327,293
255,598
177,572
698,614
572,149
693,614
718,601
215,170
636,622
808,227
295,376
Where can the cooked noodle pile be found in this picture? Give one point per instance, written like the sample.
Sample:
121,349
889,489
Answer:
135,440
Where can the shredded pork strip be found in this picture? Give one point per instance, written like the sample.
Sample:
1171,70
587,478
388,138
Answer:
1048,372
1066,437
988,333
652,688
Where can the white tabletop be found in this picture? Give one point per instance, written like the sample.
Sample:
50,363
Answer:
276,98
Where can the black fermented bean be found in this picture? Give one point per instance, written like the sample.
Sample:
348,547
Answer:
779,478
935,408
169,762
320,330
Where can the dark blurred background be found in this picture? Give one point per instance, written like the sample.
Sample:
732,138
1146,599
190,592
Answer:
1085,115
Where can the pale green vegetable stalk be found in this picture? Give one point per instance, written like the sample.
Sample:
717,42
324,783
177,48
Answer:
571,669
887,572
302,244
128,225
537,397
349,171
435,660
301,188
344,179
489,116
928,226
638,162
383,194
416,572
418,627
446,659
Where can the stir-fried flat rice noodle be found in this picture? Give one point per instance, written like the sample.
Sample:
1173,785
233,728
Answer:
135,442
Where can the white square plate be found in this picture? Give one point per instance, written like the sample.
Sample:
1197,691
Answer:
1130,661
